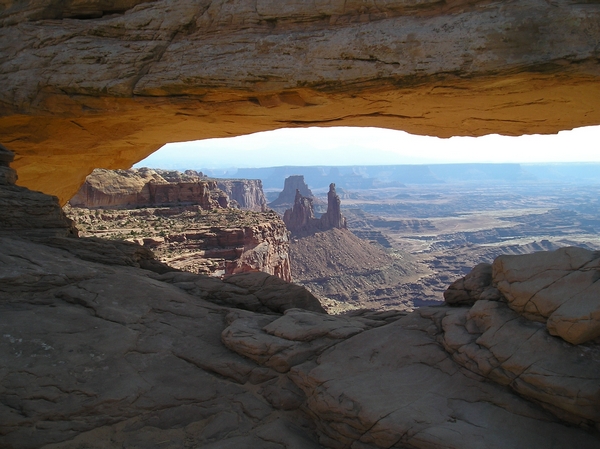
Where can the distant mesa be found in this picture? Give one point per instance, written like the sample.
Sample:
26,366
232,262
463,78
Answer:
300,219
147,187
292,186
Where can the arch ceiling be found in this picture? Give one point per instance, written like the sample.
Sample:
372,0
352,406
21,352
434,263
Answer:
105,83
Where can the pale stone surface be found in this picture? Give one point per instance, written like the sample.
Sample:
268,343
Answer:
299,325
89,86
558,287
493,341
399,389
468,289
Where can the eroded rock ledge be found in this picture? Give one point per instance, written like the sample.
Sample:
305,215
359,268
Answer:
102,86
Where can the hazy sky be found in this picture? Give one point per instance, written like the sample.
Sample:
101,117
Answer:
372,146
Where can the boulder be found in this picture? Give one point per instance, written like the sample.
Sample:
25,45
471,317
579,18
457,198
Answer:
558,288
495,342
466,290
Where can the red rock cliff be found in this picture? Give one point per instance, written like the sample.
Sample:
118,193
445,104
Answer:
247,193
146,187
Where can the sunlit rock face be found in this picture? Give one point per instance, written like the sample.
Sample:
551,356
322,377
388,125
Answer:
104,84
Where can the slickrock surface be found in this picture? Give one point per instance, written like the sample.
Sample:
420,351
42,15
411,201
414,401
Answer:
558,288
98,85
102,352
124,356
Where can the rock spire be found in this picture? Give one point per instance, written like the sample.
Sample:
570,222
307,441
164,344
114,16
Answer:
300,219
333,218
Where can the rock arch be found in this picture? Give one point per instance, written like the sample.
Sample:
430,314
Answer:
106,85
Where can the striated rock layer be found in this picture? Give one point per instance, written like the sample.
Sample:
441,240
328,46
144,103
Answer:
146,187
216,242
234,249
106,83
247,193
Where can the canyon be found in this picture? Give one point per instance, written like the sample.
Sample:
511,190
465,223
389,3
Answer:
126,350
186,219
101,344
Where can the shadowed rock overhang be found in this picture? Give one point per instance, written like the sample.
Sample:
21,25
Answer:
105,83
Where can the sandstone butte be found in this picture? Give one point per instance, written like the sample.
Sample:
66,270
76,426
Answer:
105,83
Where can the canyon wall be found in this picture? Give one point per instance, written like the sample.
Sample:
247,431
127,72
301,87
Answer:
247,193
145,188
215,242
96,85
224,250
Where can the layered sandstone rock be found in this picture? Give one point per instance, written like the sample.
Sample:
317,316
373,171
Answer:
222,251
292,186
247,193
145,188
301,217
98,85
215,242
556,288
333,217
465,291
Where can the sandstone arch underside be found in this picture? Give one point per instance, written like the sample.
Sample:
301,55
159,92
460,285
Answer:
105,83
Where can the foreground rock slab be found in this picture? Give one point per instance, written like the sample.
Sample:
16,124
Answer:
396,387
559,288
95,355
